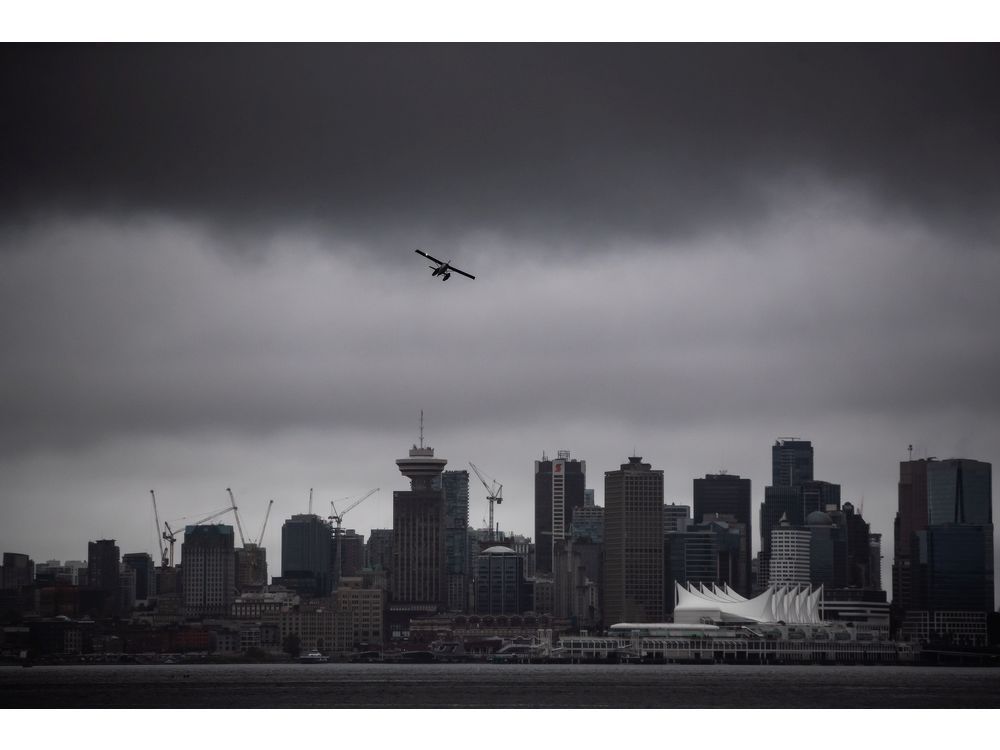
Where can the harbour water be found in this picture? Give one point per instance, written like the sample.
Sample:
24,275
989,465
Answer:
496,686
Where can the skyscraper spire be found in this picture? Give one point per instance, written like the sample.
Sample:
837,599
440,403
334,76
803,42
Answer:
421,428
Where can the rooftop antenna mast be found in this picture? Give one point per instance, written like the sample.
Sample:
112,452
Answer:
911,451
421,429
310,501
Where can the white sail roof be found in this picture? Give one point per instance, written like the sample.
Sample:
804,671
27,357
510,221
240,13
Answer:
785,603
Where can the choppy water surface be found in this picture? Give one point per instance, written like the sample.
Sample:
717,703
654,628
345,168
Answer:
497,685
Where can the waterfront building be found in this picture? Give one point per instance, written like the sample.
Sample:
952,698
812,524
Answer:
959,490
827,550
265,606
320,626
577,583
18,571
103,561
366,606
943,563
126,588
911,518
633,543
875,561
456,493
350,545
307,554
208,565
728,495
676,517
543,595
251,567
560,485
864,610
780,603
501,588
790,554
145,574
588,523
791,462
817,495
705,553
419,569
378,549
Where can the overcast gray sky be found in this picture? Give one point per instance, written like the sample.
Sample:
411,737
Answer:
207,276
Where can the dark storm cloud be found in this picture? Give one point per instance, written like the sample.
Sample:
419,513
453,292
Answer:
576,143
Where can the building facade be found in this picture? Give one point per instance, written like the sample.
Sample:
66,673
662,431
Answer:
419,580
208,565
633,543
456,494
307,554
728,495
560,486
501,588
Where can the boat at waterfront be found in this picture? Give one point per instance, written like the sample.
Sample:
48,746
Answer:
313,657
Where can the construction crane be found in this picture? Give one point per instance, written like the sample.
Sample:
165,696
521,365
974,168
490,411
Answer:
171,536
493,494
267,515
159,539
236,512
339,518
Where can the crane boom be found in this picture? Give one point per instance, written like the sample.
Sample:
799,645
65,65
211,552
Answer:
339,518
171,537
358,502
236,512
267,514
493,494
159,539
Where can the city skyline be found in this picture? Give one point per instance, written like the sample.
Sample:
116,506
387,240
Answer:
682,252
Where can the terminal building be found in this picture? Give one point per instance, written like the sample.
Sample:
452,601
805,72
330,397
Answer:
787,623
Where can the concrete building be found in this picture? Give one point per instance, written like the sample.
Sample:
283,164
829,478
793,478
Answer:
560,485
307,554
791,462
676,517
790,554
705,553
419,581
378,549
827,550
251,567
350,545
911,517
208,565
588,523
633,543
18,571
959,490
728,495
320,625
145,574
501,588
456,493
943,562
103,561
366,607
577,581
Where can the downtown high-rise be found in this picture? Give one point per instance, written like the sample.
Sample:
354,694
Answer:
727,497
560,485
633,543
419,581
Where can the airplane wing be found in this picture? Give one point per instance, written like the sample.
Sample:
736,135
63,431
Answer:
430,257
452,268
